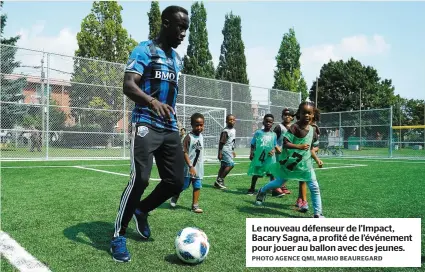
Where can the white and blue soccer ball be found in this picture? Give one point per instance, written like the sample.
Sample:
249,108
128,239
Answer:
192,245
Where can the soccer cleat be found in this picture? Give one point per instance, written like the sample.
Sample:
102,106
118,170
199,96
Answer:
219,184
250,192
278,192
142,225
304,206
119,249
318,216
285,190
261,196
196,209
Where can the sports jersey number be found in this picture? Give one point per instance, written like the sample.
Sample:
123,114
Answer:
262,157
197,152
291,166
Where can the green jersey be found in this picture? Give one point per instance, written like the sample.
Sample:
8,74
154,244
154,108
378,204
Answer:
264,142
296,164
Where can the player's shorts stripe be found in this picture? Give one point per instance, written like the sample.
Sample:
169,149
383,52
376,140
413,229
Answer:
130,185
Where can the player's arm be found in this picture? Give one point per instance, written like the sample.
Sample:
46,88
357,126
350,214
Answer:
277,148
137,63
278,131
223,140
253,143
186,145
287,140
314,148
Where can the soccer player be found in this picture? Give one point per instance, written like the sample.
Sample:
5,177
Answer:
263,148
296,162
280,130
226,151
193,145
151,81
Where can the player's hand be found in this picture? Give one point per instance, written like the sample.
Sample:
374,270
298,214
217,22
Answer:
271,153
220,156
320,164
278,149
192,172
304,146
163,110
234,154
251,156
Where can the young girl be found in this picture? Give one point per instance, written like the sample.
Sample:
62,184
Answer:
302,203
296,162
263,148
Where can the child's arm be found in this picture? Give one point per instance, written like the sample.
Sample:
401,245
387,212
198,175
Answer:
316,159
223,139
186,143
289,145
253,143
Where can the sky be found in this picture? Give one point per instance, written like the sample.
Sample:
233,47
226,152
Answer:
390,36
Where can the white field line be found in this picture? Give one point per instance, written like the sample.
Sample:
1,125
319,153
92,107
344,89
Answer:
18,256
213,176
376,160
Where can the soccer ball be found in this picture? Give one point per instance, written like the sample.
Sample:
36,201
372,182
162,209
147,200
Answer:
192,245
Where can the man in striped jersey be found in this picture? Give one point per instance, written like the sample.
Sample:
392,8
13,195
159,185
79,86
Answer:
151,81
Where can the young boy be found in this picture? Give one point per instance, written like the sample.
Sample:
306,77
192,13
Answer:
263,147
193,145
226,151
280,130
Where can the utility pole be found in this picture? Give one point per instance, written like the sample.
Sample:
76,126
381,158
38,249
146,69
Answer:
42,100
360,113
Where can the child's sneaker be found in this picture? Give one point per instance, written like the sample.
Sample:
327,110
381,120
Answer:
285,190
196,209
173,202
278,192
119,249
219,184
318,216
304,206
299,203
261,196
250,192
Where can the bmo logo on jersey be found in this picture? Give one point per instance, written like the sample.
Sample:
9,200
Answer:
165,75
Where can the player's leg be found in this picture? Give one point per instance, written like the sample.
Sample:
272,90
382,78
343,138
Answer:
219,181
170,162
278,191
228,164
141,156
261,195
251,190
302,202
197,185
316,198
173,200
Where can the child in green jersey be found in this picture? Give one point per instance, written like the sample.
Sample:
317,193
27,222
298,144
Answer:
263,147
296,162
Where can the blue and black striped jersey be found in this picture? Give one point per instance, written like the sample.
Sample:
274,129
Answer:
160,74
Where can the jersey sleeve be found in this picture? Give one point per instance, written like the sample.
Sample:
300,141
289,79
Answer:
254,139
275,139
278,131
138,60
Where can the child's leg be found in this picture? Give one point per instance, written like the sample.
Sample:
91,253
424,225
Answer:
315,197
253,183
197,185
303,189
261,196
174,199
278,191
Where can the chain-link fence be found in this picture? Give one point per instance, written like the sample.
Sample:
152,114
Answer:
57,107
367,133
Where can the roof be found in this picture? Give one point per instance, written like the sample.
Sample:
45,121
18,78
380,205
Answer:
34,79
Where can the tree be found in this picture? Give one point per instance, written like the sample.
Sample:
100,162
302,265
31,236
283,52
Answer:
340,84
11,90
287,75
154,16
198,60
232,67
103,38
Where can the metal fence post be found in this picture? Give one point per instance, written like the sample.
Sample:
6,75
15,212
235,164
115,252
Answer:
47,106
124,125
184,101
390,140
231,98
